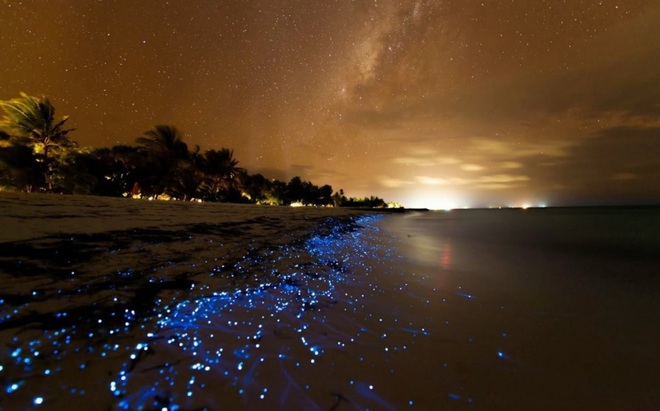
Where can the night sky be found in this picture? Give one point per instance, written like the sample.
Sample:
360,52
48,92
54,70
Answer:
429,102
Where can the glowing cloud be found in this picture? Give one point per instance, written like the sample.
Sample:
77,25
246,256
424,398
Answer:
471,167
431,181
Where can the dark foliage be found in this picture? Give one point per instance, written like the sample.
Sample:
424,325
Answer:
37,155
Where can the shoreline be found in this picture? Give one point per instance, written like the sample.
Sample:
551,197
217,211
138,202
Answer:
70,284
310,309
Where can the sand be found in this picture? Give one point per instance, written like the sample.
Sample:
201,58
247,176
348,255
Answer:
132,304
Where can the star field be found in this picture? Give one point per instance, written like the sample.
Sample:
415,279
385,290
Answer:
429,103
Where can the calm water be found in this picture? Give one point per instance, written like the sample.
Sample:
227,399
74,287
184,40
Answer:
529,309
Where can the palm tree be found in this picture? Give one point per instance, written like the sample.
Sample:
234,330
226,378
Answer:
167,152
221,169
30,121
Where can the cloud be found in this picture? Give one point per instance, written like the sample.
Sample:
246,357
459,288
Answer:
415,161
448,161
500,178
618,164
431,181
495,186
471,167
624,176
518,149
424,156
511,165
391,182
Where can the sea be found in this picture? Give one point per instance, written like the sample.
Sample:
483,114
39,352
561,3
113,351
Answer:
545,309
554,308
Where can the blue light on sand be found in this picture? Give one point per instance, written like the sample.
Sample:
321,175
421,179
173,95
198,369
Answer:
502,354
256,323
260,336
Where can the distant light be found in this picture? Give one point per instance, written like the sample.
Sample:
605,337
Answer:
437,201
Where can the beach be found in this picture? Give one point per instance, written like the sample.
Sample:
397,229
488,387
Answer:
134,304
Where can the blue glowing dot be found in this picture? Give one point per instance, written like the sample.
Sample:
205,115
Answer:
411,402
38,400
454,396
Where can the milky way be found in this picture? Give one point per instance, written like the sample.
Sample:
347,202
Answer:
434,103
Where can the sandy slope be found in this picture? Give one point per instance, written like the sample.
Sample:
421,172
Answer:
32,216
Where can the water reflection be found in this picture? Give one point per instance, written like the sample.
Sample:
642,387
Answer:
426,238
445,260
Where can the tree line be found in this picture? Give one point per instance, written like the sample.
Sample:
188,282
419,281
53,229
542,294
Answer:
38,155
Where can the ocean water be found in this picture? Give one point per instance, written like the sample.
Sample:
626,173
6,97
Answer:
537,308
224,308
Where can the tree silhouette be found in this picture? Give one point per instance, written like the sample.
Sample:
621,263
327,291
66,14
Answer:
258,188
166,153
325,195
221,170
30,121
19,167
35,152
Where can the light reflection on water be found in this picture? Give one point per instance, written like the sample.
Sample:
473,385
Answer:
543,309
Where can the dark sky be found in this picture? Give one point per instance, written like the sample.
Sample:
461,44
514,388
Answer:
426,102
